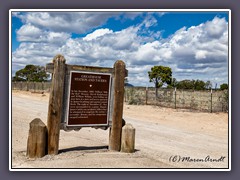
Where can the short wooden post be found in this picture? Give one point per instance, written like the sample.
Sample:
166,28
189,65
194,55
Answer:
37,139
116,129
128,139
55,104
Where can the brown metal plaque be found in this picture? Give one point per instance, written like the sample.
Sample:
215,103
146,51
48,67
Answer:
88,99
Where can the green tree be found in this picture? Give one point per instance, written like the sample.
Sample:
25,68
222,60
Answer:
186,84
31,73
224,86
208,85
160,75
192,84
173,83
199,85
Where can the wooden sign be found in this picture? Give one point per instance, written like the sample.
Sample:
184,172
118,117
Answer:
88,99
85,96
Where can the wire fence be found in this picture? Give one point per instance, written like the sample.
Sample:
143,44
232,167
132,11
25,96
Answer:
207,100
38,87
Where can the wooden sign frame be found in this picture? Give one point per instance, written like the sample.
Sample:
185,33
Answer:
59,93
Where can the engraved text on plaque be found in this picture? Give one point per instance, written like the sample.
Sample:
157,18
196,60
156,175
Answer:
88,99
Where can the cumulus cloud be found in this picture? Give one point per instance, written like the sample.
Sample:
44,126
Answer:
197,52
97,33
201,54
30,33
149,21
77,22
216,27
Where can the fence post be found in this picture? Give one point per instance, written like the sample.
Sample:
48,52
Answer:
175,92
34,86
42,87
125,94
27,86
146,95
55,104
211,100
21,86
116,129
156,96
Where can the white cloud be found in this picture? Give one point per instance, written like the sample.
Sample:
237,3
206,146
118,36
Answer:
77,22
97,33
198,52
149,51
149,21
201,54
30,33
216,27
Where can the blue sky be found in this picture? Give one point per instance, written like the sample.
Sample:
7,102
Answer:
194,44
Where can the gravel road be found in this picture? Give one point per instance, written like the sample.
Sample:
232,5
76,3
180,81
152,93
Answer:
165,138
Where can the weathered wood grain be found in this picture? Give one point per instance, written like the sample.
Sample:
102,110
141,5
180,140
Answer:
116,129
55,104
37,139
128,139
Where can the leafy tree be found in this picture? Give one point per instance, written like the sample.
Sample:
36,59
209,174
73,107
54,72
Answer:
192,84
199,85
173,83
185,84
15,78
208,85
31,73
224,86
160,75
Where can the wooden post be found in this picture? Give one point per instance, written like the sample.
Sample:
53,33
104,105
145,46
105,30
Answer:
37,139
116,129
55,104
146,96
42,87
211,100
175,92
34,86
128,139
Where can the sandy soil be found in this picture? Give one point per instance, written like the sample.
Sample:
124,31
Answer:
165,138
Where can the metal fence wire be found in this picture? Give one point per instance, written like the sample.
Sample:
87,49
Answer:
32,86
207,100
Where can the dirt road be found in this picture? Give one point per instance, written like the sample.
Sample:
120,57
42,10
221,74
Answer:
165,138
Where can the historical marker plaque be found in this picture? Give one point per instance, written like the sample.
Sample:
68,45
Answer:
89,95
